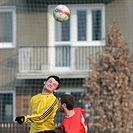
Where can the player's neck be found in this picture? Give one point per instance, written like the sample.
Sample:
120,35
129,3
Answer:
44,91
69,113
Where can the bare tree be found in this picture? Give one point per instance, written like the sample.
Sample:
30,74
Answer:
109,99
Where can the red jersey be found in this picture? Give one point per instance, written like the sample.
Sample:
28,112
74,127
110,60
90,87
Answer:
75,123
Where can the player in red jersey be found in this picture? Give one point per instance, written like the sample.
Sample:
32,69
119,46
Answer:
73,120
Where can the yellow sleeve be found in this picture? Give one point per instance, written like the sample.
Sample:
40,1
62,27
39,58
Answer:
44,113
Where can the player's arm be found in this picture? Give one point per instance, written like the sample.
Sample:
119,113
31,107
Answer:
41,116
61,128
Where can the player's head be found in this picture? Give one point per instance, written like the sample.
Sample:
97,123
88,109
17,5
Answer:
56,78
66,100
52,83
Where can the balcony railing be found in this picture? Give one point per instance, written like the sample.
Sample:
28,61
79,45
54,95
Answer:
57,59
14,127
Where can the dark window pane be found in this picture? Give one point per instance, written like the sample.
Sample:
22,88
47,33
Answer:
65,31
81,25
6,107
6,27
96,24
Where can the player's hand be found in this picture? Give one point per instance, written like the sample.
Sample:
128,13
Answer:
20,119
60,127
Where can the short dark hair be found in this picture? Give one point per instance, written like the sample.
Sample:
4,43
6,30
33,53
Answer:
56,78
68,99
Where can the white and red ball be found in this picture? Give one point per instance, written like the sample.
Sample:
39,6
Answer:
61,13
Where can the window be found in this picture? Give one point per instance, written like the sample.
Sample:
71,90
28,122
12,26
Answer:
86,27
7,105
7,27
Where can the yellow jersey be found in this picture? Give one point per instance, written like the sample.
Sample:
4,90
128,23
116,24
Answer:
44,107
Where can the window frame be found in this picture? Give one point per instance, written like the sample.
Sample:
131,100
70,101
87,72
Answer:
11,9
73,25
14,100
73,32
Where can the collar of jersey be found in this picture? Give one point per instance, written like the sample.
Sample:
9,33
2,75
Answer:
70,115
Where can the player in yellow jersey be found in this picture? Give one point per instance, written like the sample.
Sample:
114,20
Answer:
44,106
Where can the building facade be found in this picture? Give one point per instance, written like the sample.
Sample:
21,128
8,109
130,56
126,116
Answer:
33,46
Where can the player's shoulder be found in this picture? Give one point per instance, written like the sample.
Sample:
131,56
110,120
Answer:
50,97
79,109
36,95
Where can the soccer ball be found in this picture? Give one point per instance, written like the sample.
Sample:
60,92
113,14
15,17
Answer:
61,13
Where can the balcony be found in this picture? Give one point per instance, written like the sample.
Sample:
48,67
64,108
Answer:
65,61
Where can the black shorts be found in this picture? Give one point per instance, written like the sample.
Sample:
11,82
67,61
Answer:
47,131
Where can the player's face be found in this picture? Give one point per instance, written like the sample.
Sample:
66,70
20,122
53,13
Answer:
60,108
51,84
